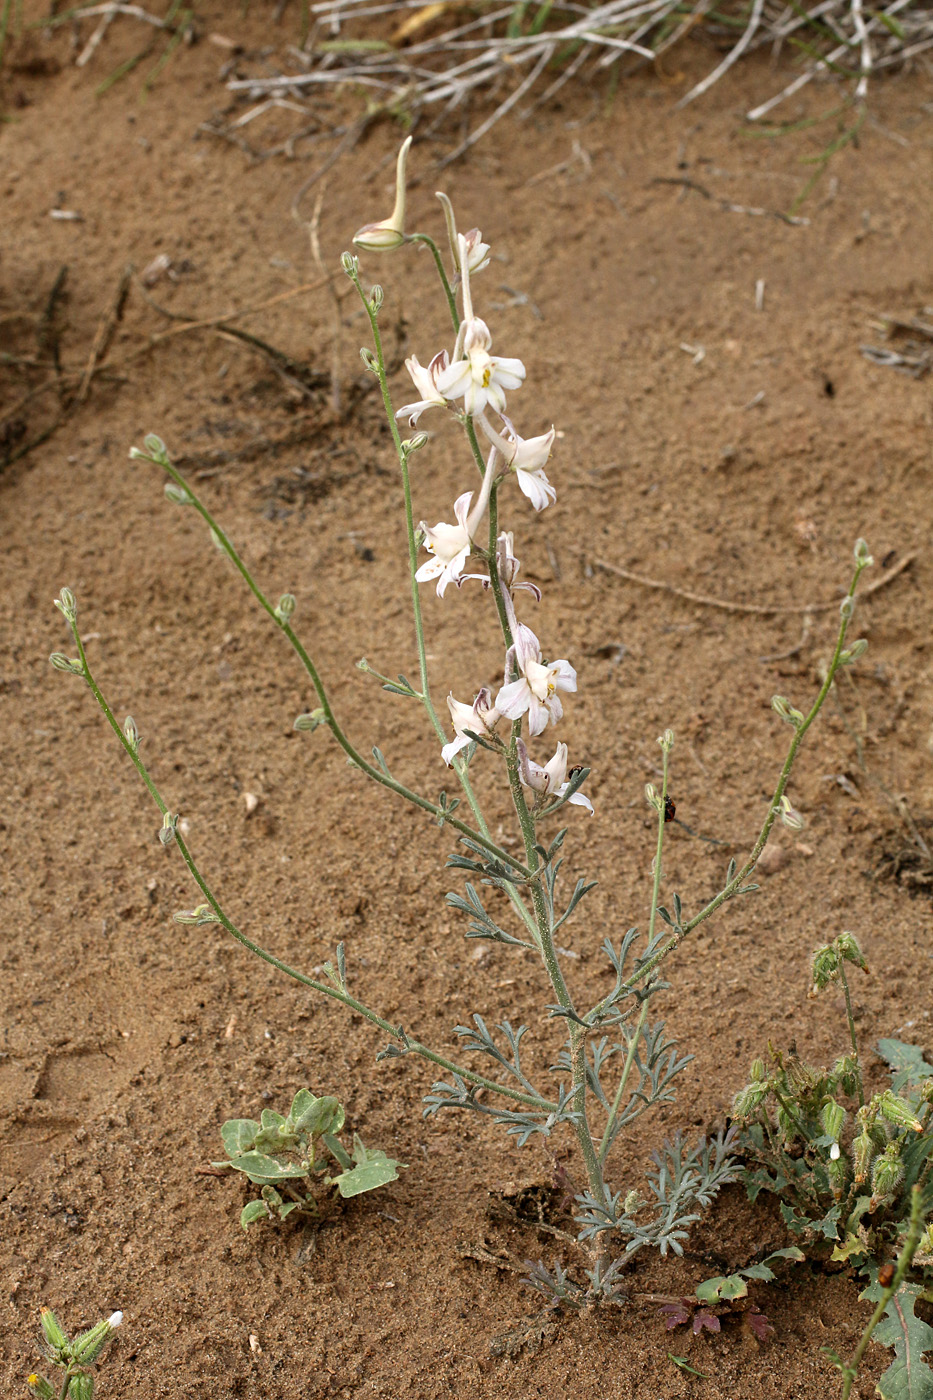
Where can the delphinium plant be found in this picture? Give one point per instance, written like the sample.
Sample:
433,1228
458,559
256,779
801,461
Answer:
71,1356
616,1061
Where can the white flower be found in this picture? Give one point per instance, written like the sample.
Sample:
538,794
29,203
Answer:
834,1152
528,458
551,780
536,689
450,545
114,1320
482,714
425,379
388,233
478,377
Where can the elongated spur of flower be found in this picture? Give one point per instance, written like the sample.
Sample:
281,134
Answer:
481,716
551,780
424,378
535,691
508,567
389,233
477,250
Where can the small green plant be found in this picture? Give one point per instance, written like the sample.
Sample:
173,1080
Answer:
288,1156
72,1356
851,1172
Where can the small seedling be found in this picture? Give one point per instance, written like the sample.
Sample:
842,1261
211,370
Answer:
288,1156
72,1356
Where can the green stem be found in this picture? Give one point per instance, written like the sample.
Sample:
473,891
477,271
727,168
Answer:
439,264
852,1035
911,1242
643,1014
337,994
735,884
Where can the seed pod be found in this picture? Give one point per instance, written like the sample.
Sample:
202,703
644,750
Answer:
832,1116
887,1175
898,1111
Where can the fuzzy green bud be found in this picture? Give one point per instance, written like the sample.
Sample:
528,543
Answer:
81,1387
167,830
40,1387
862,556
64,663
863,1150
286,608
839,1173
747,1100
177,494
898,1111
801,1077
757,1073
847,607
651,796
667,740
376,297
632,1203
832,1117
369,359
52,1329
154,445
414,444
850,951
350,264
887,1175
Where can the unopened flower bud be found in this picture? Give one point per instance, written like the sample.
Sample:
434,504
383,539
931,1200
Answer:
369,359
862,556
167,830
845,1073
203,914
839,1173
309,722
415,444
898,1111
667,740
825,967
350,264
131,733
81,1388
850,950
154,445
40,1387
176,494
114,1320
781,706
64,663
790,817
376,297
847,607
651,796
216,541
852,653
887,1175
286,607
54,1334
747,1100
757,1073
832,1117
67,604
863,1149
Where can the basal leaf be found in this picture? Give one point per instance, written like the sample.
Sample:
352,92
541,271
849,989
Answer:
264,1170
373,1168
908,1377
255,1210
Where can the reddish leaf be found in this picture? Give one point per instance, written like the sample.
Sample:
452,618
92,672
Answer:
759,1324
674,1314
703,1319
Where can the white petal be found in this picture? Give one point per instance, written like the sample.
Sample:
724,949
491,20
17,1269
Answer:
514,698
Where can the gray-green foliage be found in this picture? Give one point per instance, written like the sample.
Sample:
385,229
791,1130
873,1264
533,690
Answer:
287,1156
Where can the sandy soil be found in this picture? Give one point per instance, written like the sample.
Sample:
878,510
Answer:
745,472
